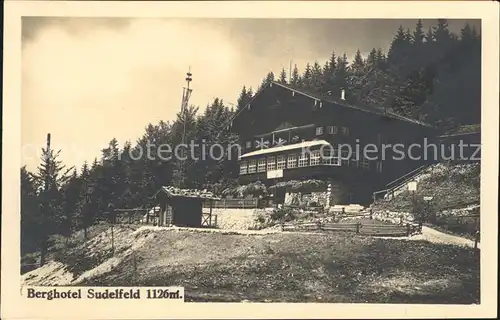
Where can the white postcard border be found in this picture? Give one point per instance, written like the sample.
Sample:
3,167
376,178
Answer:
14,306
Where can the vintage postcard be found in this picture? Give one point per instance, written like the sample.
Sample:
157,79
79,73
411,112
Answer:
250,159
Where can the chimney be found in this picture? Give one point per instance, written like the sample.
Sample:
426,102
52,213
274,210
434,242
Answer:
342,94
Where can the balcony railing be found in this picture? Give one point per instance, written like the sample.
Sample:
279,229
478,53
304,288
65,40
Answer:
296,161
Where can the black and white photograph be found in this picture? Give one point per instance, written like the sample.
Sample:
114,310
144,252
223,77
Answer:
254,159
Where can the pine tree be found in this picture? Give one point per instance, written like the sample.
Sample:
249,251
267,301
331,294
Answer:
208,170
283,79
475,34
83,182
468,35
91,201
243,98
381,58
269,77
84,172
358,63
418,35
130,196
306,79
329,72
110,185
409,100
31,232
429,36
371,61
418,56
95,164
333,62
396,46
110,154
408,36
50,176
249,93
317,79
441,32
326,77
340,76
295,79
72,197
456,89
399,54
356,76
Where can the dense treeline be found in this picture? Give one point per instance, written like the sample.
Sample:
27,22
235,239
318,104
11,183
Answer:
123,177
431,75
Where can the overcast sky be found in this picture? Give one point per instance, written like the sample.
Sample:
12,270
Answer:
87,80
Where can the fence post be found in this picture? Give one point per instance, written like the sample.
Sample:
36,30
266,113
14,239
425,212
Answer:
476,239
134,267
318,223
408,230
371,214
112,241
358,226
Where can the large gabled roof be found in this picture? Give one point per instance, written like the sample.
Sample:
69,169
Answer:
329,99
469,129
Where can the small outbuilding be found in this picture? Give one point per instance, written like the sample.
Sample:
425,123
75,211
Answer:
183,207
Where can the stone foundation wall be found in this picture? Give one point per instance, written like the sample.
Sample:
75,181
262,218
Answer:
318,198
339,194
233,219
394,217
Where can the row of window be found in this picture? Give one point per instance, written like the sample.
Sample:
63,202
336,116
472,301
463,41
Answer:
291,161
332,130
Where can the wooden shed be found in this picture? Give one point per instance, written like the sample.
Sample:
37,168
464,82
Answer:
183,207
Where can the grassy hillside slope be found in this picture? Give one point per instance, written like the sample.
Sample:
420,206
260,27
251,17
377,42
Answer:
279,267
449,185
298,267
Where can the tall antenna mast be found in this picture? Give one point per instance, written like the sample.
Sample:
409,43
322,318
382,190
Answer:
186,94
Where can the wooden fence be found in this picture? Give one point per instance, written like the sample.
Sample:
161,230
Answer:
132,216
209,220
249,203
358,228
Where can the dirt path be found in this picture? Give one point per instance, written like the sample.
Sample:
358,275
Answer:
436,236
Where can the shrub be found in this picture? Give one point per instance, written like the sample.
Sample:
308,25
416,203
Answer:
457,224
282,215
265,219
